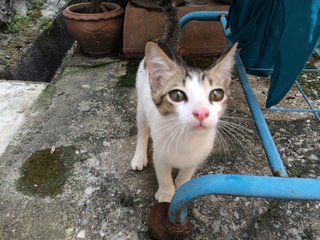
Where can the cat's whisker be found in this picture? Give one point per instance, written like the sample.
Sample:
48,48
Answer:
163,124
236,128
222,142
181,137
232,133
165,129
236,119
159,128
238,133
224,133
230,125
226,116
168,135
173,137
225,126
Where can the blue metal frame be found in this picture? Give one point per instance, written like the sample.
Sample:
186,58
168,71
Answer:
279,186
243,186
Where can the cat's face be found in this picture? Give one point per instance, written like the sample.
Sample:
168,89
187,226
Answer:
194,98
198,103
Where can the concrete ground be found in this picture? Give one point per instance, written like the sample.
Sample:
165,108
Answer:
15,99
66,171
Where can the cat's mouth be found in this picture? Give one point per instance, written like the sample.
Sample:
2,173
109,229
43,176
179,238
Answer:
200,127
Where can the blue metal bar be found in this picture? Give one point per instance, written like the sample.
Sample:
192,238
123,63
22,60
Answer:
307,101
271,69
291,110
203,16
275,162
241,185
311,106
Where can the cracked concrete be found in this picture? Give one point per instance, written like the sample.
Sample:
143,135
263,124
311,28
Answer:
86,107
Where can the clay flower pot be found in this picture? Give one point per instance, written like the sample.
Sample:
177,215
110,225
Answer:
96,33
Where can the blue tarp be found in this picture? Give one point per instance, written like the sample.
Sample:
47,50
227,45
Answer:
278,34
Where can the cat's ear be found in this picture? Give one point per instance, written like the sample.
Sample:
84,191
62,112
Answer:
159,65
223,68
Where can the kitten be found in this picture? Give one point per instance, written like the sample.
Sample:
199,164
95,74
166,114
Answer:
178,106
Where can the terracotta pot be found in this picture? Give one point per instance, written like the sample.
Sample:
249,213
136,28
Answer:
96,33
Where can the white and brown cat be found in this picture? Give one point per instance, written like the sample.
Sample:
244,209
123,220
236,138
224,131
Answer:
178,106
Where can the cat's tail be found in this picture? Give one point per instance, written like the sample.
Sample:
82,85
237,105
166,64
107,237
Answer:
172,31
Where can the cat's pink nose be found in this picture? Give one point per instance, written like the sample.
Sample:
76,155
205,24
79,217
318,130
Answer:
201,114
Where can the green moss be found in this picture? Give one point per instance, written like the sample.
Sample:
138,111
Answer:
35,4
129,80
34,8
45,23
45,99
2,34
45,172
17,24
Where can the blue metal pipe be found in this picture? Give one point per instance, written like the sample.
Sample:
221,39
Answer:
271,69
243,186
307,101
292,110
201,16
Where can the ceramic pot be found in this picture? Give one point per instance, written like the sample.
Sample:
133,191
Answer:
96,33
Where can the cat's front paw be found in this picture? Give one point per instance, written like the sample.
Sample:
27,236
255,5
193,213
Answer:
138,163
164,196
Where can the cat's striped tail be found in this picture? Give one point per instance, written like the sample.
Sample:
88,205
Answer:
172,31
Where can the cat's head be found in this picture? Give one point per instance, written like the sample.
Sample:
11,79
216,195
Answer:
197,98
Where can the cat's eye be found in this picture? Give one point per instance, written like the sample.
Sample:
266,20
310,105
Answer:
216,95
177,96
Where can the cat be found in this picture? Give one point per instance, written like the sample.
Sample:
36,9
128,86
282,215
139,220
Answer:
178,106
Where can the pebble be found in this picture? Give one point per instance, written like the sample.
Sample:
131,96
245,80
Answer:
216,226
223,212
106,144
69,231
293,231
81,234
84,222
311,175
313,157
89,190
198,215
